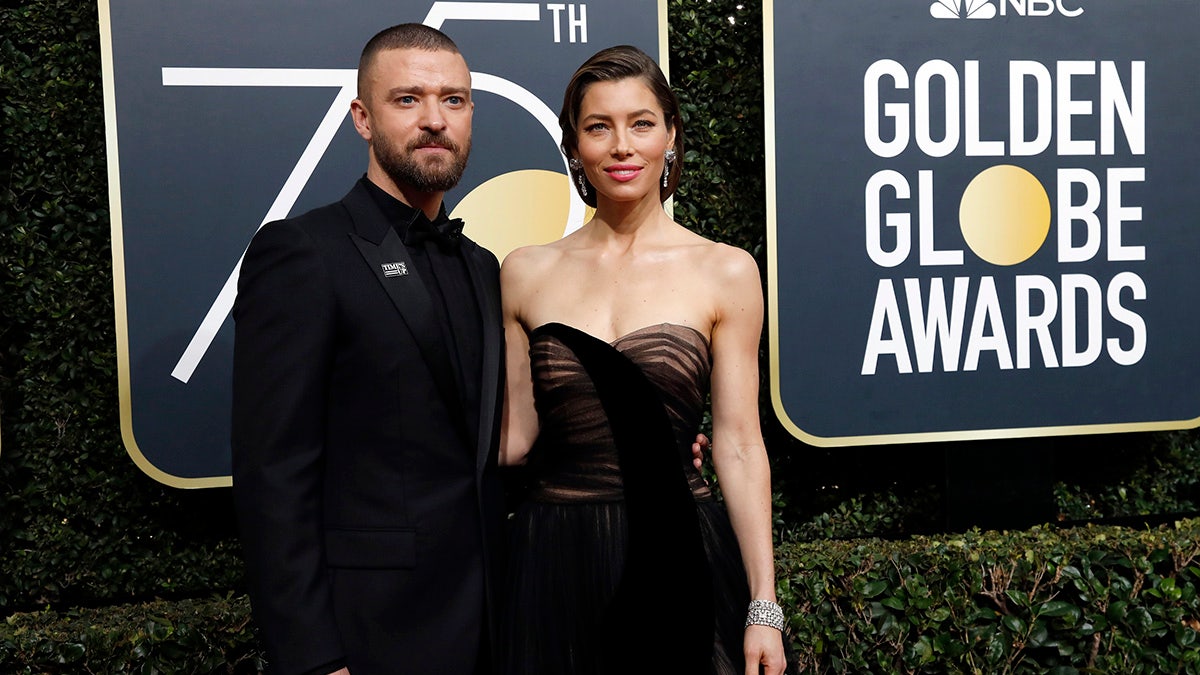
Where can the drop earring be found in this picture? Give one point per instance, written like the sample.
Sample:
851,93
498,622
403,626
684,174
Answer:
580,180
668,158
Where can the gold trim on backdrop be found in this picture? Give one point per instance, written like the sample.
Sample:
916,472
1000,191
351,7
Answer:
664,61
118,258
664,39
773,314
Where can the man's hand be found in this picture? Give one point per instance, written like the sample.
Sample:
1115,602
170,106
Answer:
698,449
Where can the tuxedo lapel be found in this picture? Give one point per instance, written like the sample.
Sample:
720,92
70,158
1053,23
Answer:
388,258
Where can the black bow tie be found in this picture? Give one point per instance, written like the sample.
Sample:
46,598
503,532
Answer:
446,234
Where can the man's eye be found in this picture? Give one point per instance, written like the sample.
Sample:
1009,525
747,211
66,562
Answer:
406,100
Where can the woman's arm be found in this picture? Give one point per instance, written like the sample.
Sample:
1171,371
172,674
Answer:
739,455
519,423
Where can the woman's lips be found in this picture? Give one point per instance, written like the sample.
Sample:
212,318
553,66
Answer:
623,172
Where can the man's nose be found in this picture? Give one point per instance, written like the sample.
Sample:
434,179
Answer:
433,118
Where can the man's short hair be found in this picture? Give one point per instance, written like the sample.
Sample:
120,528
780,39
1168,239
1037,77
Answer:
402,36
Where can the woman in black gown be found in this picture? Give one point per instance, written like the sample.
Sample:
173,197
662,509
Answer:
617,334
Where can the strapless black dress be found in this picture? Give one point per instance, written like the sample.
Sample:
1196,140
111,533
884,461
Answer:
622,561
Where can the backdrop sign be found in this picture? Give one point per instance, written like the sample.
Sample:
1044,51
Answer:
982,217
223,115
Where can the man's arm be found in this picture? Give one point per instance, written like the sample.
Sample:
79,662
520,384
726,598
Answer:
282,343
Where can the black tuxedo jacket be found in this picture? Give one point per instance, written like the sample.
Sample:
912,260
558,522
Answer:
367,497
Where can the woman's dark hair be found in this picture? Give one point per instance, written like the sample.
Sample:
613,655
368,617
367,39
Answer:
609,65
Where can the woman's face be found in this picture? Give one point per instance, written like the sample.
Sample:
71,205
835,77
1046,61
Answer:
622,135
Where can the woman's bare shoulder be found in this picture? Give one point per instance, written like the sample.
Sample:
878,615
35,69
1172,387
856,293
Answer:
724,260
526,260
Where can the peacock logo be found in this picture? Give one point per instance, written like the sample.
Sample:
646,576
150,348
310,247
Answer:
962,9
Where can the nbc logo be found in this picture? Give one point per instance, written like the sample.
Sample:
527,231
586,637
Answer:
984,9
962,9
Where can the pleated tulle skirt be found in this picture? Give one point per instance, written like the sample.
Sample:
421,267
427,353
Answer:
565,565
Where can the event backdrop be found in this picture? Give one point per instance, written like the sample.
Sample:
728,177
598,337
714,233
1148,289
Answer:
224,114
982,217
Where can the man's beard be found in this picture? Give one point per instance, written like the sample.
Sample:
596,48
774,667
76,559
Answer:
403,168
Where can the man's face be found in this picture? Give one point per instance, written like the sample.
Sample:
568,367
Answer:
415,113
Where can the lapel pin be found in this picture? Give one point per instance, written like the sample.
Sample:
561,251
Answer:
394,269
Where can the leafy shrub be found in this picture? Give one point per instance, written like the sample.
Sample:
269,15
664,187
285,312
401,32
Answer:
1143,474
1081,600
190,636
79,523
1088,599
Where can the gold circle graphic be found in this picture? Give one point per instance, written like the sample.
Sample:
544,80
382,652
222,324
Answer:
1004,215
517,209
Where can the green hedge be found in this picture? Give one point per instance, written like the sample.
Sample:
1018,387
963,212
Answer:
1046,600
1062,601
189,636
79,523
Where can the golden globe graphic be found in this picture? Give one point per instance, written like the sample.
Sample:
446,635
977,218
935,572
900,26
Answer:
1008,219
518,209
1005,215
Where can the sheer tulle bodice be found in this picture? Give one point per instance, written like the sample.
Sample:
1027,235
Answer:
575,458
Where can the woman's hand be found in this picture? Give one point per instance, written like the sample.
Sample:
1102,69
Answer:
763,646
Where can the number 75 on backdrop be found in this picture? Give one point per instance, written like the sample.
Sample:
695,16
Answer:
223,115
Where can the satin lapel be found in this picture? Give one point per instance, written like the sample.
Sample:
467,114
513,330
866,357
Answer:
487,290
393,267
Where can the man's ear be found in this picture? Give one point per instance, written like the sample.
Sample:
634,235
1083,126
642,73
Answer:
362,120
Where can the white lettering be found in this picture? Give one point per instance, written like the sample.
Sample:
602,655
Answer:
1038,324
922,108
935,322
901,223
1072,356
976,147
1043,122
1060,102
1137,347
929,255
886,317
1069,212
1069,107
898,112
932,328
988,317
1118,215
1131,109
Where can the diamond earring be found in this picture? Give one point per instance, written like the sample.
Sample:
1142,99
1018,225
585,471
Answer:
668,158
577,167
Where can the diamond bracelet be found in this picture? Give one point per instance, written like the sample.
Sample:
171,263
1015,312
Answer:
765,613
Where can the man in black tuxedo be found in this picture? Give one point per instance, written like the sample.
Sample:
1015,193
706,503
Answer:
366,393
